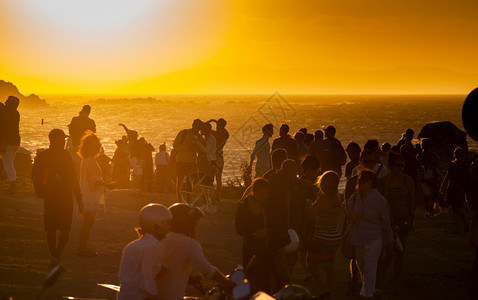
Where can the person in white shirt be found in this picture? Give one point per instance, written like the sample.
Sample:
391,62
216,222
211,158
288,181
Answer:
181,253
141,261
262,152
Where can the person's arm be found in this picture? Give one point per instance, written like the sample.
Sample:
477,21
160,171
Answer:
150,268
128,132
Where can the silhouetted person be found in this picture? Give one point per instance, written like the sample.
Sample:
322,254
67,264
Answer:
407,140
3,132
411,163
186,155
303,130
286,142
135,155
353,150
161,160
262,150
222,135
12,140
104,161
120,163
454,185
302,149
55,181
277,158
79,125
429,177
316,148
335,156
147,180
309,138
386,148
207,155
379,169
92,188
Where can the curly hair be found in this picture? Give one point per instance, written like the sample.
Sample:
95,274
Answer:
90,145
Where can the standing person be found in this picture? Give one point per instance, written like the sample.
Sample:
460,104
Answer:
262,152
251,224
140,265
406,139
12,141
353,150
92,188
120,163
379,168
429,183
54,179
104,161
386,147
326,236
207,159
370,227
181,253
286,210
79,125
222,135
135,155
316,148
309,138
454,185
147,180
411,163
399,191
335,156
186,153
161,160
302,149
286,142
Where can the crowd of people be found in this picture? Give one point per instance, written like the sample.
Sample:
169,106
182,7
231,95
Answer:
296,189
289,215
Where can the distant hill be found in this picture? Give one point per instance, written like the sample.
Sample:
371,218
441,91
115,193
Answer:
9,89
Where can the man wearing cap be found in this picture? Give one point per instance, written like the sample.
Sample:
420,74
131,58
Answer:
54,179
79,125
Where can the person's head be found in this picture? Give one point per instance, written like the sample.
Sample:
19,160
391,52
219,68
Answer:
197,125
185,218
277,158
373,146
260,190
133,134
459,154
426,144
289,169
319,135
57,139
154,219
353,151
367,161
396,163
330,132
310,164
328,184
409,134
12,102
299,137
142,140
162,147
89,145
386,147
303,130
206,129
366,181
85,111
284,130
268,130
309,138
221,123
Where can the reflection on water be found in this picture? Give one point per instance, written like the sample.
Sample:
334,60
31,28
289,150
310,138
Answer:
357,118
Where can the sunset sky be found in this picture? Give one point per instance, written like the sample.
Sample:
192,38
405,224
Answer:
241,47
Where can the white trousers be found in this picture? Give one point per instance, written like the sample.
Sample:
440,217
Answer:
8,158
367,261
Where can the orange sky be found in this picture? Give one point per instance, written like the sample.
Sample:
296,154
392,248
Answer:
243,46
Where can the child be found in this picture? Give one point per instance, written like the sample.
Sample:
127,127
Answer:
141,263
162,168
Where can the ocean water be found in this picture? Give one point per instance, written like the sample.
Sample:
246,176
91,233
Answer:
159,118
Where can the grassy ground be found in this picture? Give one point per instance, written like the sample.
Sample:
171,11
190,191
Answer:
436,263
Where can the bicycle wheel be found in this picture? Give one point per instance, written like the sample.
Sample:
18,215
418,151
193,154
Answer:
198,190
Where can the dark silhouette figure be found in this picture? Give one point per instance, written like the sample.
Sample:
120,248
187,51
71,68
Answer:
302,149
222,135
120,163
277,158
135,155
309,138
147,180
186,155
11,140
54,179
286,142
262,150
429,177
79,125
316,148
162,168
104,161
335,156
406,139
353,150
